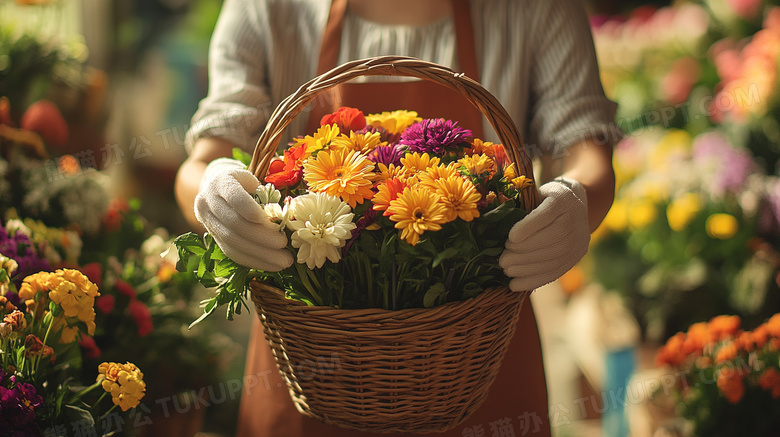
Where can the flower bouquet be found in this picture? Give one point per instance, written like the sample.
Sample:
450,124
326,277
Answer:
727,379
40,358
396,224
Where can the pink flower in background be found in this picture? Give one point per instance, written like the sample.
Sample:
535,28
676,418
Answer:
772,19
124,288
676,86
105,303
747,9
93,271
142,316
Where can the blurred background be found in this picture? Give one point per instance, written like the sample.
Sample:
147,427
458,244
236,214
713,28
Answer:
684,267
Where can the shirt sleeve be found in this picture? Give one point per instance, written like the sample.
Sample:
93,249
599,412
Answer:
567,104
238,102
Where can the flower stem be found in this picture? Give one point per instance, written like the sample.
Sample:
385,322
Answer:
81,394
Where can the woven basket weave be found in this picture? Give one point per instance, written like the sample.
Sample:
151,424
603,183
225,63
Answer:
414,370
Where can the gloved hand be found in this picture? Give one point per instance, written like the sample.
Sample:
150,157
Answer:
237,222
551,239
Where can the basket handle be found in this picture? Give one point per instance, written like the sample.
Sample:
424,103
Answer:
490,107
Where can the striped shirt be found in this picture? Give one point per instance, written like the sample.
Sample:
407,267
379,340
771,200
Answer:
535,56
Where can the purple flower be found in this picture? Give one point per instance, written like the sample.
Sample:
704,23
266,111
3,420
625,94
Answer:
20,248
729,165
17,409
434,136
363,222
386,155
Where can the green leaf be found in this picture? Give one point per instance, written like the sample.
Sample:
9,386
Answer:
243,157
433,293
448,253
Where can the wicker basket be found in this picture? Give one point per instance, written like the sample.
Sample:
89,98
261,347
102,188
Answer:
414,370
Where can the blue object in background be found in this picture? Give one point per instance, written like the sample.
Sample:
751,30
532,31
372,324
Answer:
619,367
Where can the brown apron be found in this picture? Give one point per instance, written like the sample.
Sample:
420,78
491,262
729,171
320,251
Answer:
518,396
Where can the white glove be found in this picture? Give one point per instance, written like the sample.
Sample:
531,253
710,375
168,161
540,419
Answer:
551,239
237,222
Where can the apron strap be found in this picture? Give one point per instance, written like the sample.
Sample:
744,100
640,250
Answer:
464,37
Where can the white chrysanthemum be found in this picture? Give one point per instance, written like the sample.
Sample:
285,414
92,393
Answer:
268,194
278,214
322,224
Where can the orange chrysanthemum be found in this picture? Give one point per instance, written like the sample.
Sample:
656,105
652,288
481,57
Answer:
724,326
387,191
672,352
341,173
459,197
415,211
770,381
731,384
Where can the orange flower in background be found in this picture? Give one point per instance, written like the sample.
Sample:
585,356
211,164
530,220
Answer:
287,172
347,119
770,381
773,326
724,326
479,147
731,384
698,337
69,165
760,336
727,352
672,352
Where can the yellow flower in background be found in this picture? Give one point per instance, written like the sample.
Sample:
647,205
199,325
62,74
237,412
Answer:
459,198
417,162
341,173
682,210
477,164
721,226
124,382
641,214
510,173
362,143
393,122
617,217
675,142
320,140
415,211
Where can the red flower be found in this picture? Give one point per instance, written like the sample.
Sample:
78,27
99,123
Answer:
142,317
346,118
116,211
89,347
124,288
105,303
45,118
288,172
94,272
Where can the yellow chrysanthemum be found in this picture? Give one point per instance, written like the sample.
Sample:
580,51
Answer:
415,211
459,197
393,122
432,174
509,172
477,164
721,226
682,210
385,172
124,382
320,140
362,143
522,182
417,162
340,173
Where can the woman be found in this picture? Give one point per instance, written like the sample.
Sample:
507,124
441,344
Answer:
536,56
